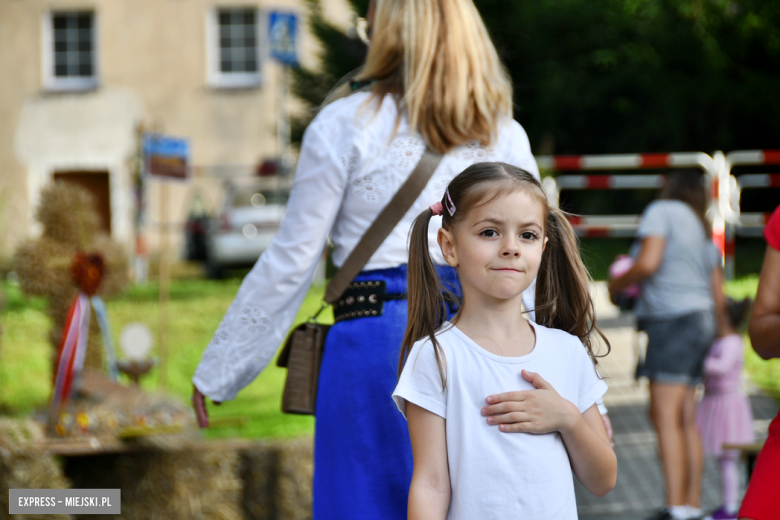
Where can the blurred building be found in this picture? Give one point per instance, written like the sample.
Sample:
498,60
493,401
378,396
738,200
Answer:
81,76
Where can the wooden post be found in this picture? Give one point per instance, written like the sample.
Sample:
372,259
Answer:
164,284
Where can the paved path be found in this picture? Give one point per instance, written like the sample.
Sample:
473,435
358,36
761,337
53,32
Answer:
640,488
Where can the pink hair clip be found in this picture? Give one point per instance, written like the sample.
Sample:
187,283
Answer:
437,209
451,205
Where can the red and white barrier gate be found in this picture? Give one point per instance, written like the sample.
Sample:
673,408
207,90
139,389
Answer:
730,190
619,225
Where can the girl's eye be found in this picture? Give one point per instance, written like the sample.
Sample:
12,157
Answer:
489,233
528,235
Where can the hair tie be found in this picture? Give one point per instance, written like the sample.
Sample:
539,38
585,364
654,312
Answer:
437,209
451,205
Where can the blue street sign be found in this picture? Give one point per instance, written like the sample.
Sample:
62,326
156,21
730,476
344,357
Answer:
166,156
282,35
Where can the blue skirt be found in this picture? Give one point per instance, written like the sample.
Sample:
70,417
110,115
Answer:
362,453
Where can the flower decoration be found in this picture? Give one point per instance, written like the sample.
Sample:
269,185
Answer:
87,271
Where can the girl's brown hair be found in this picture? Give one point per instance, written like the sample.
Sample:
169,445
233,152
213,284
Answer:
688,186
737,311
563,299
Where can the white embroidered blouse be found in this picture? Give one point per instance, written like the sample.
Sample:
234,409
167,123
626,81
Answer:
353,159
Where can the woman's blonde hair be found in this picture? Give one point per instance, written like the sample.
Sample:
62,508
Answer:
437,59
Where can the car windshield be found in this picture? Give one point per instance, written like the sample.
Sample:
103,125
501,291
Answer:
257,199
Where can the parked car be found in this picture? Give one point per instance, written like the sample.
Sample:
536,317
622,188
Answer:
247,222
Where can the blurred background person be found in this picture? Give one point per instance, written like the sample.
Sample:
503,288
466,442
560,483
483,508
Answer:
681,288
724,411
432,78
762,499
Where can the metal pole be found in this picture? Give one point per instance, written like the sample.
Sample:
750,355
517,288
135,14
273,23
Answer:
141,256
164,284
283,113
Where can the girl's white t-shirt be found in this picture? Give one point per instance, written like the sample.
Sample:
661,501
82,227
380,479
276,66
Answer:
496,475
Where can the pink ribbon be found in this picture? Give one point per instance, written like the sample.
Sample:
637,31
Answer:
73,348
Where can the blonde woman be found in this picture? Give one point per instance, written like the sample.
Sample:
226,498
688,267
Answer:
433,78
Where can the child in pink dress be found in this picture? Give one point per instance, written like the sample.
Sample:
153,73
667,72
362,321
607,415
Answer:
724,412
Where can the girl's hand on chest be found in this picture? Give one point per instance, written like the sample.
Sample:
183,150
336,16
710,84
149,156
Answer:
541,410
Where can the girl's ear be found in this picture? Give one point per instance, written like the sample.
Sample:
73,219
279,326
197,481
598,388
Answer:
544,245
447,245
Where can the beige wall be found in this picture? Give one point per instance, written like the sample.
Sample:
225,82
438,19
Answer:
18,45
152,71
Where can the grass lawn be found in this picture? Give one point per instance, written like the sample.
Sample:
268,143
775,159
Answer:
196,308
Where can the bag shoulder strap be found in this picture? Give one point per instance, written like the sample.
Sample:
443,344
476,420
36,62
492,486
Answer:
384,224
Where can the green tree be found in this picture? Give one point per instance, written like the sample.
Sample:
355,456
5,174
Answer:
339,54
609,76
643,75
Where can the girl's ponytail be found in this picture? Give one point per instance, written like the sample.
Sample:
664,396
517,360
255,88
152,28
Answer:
427,308
563,299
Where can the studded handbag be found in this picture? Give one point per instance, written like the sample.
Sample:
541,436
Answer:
304,348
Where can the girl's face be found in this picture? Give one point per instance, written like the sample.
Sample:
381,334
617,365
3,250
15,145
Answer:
498,246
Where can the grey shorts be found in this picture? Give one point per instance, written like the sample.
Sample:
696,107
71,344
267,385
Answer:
677,347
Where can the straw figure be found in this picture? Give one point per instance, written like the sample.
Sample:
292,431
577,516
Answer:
23,465
45,265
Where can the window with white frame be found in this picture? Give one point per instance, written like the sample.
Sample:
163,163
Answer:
70,50
234,47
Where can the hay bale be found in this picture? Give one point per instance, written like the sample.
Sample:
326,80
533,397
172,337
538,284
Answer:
278,480
294,479
260,467
23,466
194,480
183,485
201,483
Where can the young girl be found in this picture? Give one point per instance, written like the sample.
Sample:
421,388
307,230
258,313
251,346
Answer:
724,412
501,409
